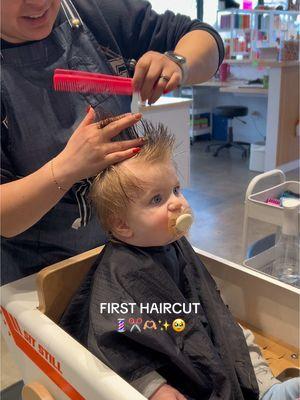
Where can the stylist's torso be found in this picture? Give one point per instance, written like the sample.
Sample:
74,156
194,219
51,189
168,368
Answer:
40,122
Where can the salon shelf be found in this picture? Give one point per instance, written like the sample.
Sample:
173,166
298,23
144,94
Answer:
260,210
255,202
263,262
266,63
240,29
245,90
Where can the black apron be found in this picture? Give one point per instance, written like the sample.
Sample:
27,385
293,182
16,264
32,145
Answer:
40,122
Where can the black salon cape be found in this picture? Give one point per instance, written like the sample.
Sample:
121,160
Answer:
201,363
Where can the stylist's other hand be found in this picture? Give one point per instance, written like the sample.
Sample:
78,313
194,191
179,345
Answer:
90,150
155,74
167,392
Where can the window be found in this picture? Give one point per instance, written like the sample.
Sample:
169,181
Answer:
185,7
210,8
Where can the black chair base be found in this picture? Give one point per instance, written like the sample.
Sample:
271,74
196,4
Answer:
248,145
227,145
230,112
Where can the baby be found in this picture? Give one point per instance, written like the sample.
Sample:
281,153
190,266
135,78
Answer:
153,312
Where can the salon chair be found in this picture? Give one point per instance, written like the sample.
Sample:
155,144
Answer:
55,366
230,112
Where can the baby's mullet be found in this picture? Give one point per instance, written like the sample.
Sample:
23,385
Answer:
115,187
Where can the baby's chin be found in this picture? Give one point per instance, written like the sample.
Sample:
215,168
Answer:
154,243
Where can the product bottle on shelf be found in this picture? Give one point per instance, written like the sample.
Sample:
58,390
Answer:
247,4
286,266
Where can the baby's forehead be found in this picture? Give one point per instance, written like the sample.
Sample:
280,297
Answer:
147,170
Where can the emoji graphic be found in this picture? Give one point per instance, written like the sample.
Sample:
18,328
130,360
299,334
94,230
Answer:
135,324
150,325
178,325
166,326
121,325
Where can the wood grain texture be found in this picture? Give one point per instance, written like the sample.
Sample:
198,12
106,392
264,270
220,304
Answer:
279,355
35,391
288,142
57,283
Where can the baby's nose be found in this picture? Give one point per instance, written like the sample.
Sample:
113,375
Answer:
177,204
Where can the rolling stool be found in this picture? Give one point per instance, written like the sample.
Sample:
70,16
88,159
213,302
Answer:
230,112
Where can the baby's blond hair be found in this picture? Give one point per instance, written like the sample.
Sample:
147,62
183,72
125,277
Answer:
115,187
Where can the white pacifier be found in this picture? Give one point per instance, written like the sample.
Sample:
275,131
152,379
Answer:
181,221
184,222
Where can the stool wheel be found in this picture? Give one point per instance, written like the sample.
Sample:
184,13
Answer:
35,391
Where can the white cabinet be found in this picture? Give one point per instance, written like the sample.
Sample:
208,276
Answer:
174,113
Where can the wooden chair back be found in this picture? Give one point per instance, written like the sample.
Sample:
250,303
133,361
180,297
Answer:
57,284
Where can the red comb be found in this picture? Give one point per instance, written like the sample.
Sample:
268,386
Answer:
89,82
67,80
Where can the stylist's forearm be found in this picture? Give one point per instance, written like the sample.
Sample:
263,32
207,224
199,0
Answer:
27,200
202,54
88,151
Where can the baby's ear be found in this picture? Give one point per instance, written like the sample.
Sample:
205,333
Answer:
120,229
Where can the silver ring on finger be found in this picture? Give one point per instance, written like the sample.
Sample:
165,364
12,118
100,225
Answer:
164,78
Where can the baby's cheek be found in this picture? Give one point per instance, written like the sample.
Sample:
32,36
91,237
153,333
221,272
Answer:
164,219
159,218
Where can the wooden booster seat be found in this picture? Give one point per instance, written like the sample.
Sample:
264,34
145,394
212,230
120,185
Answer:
57,284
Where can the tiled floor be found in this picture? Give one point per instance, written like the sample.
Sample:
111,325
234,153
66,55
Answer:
216,195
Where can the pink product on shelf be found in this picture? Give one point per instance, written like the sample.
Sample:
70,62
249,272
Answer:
224,71
261,35
273,202
227,49
247,5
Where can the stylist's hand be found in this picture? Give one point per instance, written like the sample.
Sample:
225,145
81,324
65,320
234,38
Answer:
155,74
167,392
90,150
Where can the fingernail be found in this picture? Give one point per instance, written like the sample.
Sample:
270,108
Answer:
136,150
143,139
137,116
88,109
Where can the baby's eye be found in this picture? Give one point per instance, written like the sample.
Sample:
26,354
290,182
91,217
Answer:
176,190
156,199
